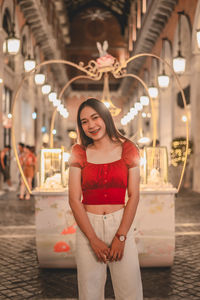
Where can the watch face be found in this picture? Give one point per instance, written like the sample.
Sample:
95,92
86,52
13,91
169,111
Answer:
121,238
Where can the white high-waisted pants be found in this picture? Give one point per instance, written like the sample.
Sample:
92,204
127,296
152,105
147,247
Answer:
125,274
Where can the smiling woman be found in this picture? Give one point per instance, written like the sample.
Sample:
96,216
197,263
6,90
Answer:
92,124
99,111
102,167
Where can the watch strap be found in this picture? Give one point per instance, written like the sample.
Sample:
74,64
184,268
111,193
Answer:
119,236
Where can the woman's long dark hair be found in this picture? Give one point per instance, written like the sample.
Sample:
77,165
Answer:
105,114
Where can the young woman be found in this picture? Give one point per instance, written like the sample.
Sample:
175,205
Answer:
28,162
102,167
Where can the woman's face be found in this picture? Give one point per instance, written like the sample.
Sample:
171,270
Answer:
92,124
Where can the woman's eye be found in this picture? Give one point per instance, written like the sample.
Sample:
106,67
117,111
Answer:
83,122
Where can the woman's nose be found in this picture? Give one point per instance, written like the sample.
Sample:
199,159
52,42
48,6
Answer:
90,124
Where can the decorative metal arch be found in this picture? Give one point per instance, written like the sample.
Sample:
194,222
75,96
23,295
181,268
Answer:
94,71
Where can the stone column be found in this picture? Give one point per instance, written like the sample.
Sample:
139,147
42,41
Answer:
2,38
195,116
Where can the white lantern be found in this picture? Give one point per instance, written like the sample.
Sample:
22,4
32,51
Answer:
60,107
163,80
134,111
144,100
179,63
138,106
56,102
153,91
52,96
46,89
29,64
39,79
11,45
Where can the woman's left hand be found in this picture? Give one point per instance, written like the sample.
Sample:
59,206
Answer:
116,250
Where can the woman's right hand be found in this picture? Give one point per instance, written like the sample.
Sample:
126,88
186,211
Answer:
100,249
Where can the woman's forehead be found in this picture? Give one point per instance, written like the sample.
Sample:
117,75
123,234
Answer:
87,111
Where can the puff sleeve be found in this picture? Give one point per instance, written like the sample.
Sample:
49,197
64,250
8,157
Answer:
78,157
131,155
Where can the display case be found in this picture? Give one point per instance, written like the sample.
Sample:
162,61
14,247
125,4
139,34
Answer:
52,170
155,218
154,166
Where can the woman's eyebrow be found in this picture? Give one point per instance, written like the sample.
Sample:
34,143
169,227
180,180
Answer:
90,116
94,114
83,119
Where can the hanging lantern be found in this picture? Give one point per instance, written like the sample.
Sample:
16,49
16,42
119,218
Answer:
144,100
153,92
163,80
179,61
29,64
56,102
52,96
11,44
39,79
138,106
46,89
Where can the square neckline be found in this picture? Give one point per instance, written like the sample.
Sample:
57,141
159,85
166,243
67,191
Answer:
108,163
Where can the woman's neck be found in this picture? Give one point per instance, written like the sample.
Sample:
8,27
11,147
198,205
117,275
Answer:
103,143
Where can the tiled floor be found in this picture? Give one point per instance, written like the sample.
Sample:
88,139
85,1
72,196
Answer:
21,278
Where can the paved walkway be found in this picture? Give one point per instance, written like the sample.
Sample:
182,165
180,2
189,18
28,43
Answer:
21,278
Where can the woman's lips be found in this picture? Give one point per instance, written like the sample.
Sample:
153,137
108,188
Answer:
94,132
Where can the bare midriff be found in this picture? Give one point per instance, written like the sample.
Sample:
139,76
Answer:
103,209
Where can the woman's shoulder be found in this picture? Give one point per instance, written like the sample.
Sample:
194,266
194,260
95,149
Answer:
77,148
129,145
130,153
78,156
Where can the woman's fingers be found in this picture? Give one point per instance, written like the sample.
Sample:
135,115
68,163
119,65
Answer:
115,256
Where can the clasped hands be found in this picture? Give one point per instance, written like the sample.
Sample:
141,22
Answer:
105,253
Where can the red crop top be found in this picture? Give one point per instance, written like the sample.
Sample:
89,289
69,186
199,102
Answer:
104,183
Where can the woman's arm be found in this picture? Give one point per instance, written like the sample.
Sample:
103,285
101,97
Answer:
2,159
99,247
117,247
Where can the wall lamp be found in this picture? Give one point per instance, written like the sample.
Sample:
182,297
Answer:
29,62
163,78
12,43
179,61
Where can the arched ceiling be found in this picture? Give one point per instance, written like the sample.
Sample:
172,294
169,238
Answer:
120,9
84,22
88,26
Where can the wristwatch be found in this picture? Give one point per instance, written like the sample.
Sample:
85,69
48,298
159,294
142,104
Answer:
120,237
